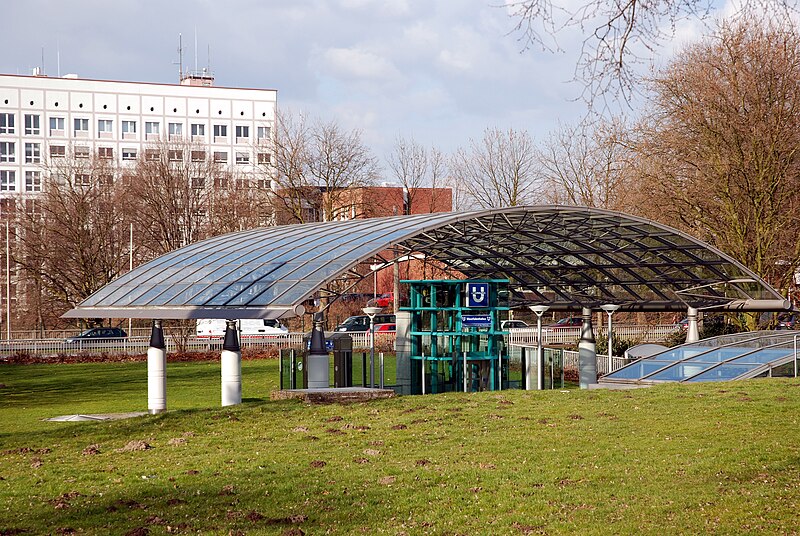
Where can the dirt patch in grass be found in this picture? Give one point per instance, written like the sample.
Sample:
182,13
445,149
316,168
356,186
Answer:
135,445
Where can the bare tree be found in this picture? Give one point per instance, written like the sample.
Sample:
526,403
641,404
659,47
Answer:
584,165
620,36
720,154
316,163
170,192
74,235
415,167
500,170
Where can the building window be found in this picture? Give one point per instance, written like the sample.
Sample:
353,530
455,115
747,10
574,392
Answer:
33,181
32,125
8,181
220,132
105,152
263,133
83,179
6,123
264,158
220,157
151,130
56,126
105,180
175,155
105,128
175,131
128,127
81,127
58,151
33,153
7,151
198,156
221,182
129,154
81,151
198,183
242,133
242,157
151,154
198,130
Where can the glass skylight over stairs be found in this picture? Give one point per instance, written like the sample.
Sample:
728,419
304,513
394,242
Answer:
727,357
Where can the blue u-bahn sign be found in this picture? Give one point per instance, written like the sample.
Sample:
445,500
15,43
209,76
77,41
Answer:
477,294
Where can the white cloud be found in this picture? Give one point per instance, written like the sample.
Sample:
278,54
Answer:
358,63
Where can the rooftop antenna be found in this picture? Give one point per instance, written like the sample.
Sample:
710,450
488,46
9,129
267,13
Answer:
180,58
195,49
208,58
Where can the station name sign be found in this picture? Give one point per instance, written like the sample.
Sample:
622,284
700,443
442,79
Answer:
476,321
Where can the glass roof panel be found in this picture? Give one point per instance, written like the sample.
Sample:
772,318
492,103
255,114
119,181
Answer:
639,369
720,354
723,373
680,371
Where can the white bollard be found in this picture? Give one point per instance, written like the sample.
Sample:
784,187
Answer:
231,366
156,380
157,370
231,377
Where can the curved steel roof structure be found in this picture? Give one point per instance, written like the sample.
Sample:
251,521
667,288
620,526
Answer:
568,257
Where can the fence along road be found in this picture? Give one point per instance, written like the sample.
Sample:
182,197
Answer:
139,344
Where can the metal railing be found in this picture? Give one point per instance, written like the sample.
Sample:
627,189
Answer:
570,335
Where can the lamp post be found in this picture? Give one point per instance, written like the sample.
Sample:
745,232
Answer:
609,308
371,312
539,310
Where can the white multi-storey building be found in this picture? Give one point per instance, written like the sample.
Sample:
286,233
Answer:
43,118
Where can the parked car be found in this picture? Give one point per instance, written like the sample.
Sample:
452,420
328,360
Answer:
786,321
513,324
383,300
385,328
361,322
98,335
214,328
568,322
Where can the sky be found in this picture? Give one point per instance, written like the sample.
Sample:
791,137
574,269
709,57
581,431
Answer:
437,71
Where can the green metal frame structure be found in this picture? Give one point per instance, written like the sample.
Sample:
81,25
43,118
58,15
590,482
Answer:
442,346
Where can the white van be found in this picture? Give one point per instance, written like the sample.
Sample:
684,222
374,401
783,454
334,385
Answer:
214,328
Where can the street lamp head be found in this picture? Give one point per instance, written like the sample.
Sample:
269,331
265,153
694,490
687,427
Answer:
539,309
610,307
372,311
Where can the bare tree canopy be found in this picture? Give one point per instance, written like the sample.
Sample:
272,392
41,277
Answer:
73,237
585,164
720,154
499,170
619,36
415,167
316,162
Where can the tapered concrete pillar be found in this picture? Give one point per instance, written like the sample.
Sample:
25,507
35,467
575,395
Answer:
157,370
587,352
692,333
231,365
318,363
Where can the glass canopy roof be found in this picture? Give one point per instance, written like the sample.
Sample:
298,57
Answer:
568,257
728,357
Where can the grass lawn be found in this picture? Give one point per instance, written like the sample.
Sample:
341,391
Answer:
674,459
